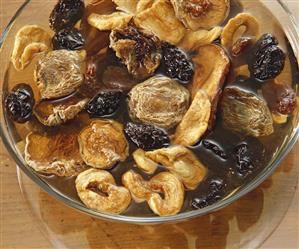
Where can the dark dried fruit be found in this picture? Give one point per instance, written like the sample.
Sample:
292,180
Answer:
214,148
280,98
245,112
268,59
240,45
104,103
65,14
70,39
244,163
19,103
147,137
176,63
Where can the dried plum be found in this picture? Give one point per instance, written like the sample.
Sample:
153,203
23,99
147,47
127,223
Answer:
70,39
244,163
280,98
104,103
176,63
147,137
19,103
214,148
245,112
268,59
65,14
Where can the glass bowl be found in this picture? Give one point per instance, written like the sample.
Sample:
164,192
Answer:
33,12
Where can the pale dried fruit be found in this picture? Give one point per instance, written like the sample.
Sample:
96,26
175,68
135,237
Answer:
140,52
143,162
211,67
195,122
181,162
56,154
205,14
30,40
165,183
246,113
194,39
240,46
160,19
52,113
103,144
133,6
234,24
97,190
158,101
116,20
58,73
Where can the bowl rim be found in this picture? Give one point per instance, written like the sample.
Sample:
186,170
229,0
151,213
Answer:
273,164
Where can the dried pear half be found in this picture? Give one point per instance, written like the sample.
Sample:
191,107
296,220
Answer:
159,101
58,73
205,14
160,19
181,162
52,113
246,113
103,144
30,40
56,154
195,122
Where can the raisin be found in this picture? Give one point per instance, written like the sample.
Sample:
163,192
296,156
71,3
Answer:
70,39
214,148
244,163
104,103
176,63
147,137
268,59
280,98
19,103
65,14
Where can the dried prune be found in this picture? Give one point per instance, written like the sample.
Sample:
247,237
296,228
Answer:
65,14
147,137
268,59
280,98
19,103
104,103
214,148
70,39
244,163
176,63
245,112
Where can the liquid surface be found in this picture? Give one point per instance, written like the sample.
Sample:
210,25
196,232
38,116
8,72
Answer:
262,149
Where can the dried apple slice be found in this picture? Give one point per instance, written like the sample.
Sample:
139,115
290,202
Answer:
143,162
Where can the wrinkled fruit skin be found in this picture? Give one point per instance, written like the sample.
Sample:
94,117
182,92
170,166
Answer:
280,98
65,14
268,59
214,148
244,163
176,63
147,137
104,103
215,194
70,39
19,103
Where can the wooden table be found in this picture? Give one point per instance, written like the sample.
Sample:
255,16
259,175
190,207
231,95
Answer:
19,229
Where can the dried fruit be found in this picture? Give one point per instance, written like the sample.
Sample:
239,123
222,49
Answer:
104,103
159,101
140,52
197,14
19,103
214,148
70,39
245,112
281,99
143,162
65,14
240,45
244,163
147,137
268,59
176,63
30,40
58,73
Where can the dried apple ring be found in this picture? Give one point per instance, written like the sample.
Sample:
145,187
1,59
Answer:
97,190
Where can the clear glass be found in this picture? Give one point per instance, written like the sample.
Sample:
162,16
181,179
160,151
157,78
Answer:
25,16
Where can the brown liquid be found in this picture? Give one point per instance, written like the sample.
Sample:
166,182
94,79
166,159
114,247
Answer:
263,149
